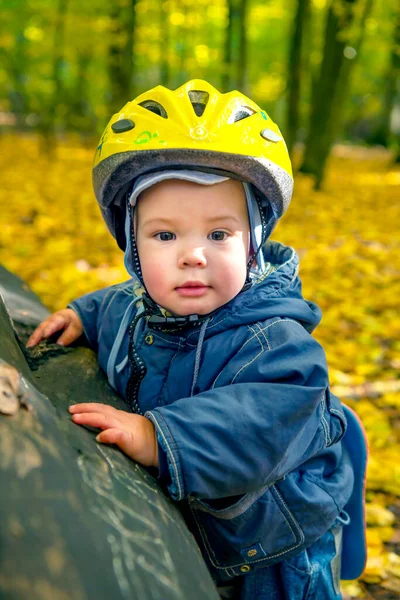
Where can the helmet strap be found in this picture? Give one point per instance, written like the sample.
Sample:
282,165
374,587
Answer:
134,250
264,237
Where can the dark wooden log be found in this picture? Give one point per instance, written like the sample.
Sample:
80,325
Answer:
78,520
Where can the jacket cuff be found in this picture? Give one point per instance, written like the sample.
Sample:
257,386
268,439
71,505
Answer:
171,456
89,333
163,467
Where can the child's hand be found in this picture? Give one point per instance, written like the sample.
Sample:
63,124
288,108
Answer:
133,434
65,319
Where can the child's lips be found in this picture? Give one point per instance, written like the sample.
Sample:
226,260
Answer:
192,288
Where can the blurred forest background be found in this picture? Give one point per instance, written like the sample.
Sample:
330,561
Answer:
327,71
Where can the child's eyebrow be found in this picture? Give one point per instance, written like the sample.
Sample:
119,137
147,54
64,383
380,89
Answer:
170,222
223,218
156,220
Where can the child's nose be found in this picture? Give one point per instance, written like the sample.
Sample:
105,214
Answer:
193,257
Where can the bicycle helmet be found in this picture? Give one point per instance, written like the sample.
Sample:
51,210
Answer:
193,127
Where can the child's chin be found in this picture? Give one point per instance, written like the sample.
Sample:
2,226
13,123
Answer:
196,308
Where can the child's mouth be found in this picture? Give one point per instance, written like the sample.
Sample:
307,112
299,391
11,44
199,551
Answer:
192,288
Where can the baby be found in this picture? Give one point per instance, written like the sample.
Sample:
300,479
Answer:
209,342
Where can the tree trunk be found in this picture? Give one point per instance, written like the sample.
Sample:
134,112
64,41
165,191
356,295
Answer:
328,96
395,56
186,35
165,73
78,519
383,134
242,58
235,43
80,115
227,66
47,124
120,54
129,51
294,72
16,65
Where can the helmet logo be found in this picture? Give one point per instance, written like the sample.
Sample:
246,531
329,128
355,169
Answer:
100,146
147,136
199,132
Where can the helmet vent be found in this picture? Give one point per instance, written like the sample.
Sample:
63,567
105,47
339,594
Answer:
241,113
155,108
199,100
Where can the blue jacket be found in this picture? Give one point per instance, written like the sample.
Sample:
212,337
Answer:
248,430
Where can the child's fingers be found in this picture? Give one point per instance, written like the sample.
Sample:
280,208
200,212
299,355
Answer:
90,407
55,323
36,336
95,420
46,329
119,437
68,336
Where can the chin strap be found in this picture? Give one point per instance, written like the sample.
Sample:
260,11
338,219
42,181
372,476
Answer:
159,321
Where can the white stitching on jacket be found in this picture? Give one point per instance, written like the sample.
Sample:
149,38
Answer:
260,330
255,334
211,553
246,365
241,348
325,423
263,334
170,453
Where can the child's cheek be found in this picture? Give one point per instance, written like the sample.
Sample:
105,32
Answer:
155,278
233,273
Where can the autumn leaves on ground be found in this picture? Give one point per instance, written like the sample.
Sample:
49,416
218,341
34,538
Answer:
347,236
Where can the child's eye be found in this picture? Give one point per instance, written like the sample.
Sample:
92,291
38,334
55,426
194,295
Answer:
218,236
165,236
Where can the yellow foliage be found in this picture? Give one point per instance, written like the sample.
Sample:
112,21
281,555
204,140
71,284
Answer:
392,399
177,18
384,469
376,423
379,515
377,535
375,568
381,565
269,87
394,565
352,589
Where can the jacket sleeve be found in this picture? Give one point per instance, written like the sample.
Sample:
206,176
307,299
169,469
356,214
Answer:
271,412
89,309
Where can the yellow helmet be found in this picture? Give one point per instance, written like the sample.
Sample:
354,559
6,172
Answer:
193,127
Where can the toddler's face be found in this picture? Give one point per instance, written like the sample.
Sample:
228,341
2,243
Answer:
192,241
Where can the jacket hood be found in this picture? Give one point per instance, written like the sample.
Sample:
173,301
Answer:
276,293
